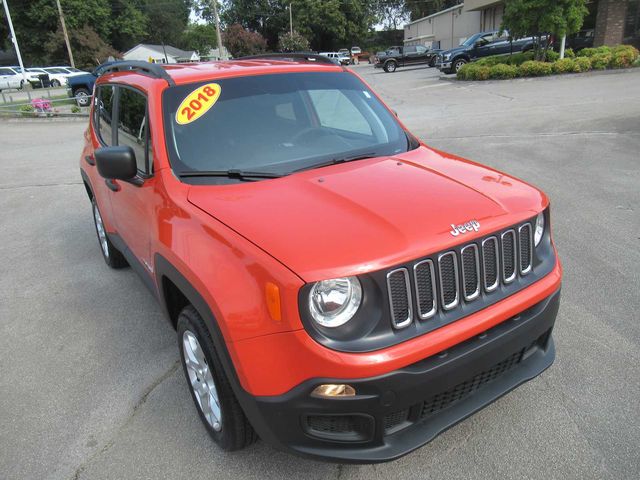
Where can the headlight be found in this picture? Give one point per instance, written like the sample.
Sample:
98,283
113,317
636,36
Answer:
334,302
446,56
539,230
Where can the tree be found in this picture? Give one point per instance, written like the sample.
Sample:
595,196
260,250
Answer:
292,42
89,48
424,8
392,14
200,37
168,20
535,18
241,42
130,24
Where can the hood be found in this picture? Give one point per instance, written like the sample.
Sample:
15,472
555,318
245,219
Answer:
370,214
453,51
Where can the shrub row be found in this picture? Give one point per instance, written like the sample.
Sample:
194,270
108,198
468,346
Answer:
523,65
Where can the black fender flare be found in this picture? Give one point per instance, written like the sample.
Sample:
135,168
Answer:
164,268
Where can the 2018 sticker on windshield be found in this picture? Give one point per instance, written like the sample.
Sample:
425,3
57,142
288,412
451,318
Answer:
197,103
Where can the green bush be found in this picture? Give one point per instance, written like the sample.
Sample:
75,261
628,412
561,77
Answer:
551,56
534,68
590,52
75,109
515,59
569,53
473,71
565,65
581,64
623,56
636,63
503,71
26,110
600,61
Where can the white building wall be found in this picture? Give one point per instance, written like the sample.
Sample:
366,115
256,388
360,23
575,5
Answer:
446,29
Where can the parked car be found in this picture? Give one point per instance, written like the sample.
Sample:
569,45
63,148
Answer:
356,50
80,86
38,78
338,57
338,288
10,78
580,40
60,75
396,57
480,45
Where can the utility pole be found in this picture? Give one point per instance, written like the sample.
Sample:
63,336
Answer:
66,35
290,21
562,45
215,14
15,42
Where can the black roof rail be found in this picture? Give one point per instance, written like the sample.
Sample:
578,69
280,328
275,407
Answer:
146,68
291,57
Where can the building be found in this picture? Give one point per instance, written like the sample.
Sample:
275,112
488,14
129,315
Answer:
214,54
446,29
614,21
160,54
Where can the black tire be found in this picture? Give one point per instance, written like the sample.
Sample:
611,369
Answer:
21,84
457,64
432,62
235,432
112,256
83,97
390,66
55,83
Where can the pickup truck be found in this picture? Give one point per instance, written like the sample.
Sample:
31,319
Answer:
483,44
80,86
396,57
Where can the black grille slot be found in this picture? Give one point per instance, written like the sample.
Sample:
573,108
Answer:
340,427
470,275
448,270
445,399
425,287
525,248
509,256
399,297
394,419
490,263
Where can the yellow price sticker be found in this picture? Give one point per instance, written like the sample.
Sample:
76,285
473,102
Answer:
197,103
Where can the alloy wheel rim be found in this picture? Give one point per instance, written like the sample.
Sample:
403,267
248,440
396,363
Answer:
102,235
201,380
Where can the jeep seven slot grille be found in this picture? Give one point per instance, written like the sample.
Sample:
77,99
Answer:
445,281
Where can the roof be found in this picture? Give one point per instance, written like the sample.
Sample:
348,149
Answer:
172,51
183,73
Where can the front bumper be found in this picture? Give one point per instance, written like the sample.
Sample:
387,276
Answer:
397,412
444,66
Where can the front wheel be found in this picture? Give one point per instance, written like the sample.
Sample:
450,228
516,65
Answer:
457,64
210,389
390,67
55,83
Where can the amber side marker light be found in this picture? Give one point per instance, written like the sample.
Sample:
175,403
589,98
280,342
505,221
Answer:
334,390
272,293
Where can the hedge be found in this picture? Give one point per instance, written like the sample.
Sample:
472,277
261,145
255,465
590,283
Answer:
523,65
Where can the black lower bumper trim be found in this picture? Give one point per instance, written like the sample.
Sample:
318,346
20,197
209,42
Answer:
395,413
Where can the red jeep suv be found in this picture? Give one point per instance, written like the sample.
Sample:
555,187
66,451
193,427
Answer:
338,288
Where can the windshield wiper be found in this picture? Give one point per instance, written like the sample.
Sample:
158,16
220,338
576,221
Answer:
231,173
334,161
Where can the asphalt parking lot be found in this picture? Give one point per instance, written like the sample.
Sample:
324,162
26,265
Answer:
89,380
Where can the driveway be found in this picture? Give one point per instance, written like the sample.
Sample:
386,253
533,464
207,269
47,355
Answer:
89,381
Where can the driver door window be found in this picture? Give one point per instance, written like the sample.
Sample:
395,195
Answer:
133,126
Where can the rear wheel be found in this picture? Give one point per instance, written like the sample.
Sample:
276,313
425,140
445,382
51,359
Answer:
210,389
83,97
390,66
55,83
112,256
457,64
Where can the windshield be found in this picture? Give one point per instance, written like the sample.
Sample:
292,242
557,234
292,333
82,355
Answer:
277,123
471,40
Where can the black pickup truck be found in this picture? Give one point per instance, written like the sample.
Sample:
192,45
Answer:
396,57
483,44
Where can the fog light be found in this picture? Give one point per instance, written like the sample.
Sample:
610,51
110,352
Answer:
333,390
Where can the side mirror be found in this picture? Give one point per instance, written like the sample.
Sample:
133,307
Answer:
117,163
